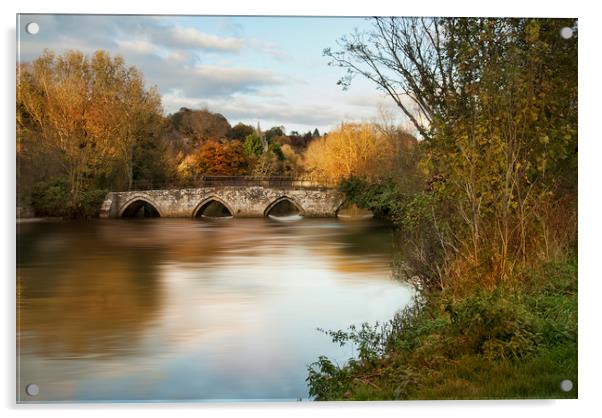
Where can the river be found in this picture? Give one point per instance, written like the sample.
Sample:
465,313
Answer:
190,309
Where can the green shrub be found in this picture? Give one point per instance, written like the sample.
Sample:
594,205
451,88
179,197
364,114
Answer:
385,200
277,150
327,380
494,325
50,197
89,204
53,198
506,343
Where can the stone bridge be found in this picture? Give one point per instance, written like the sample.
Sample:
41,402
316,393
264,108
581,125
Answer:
231,200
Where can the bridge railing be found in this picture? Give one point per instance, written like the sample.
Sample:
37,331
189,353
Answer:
217,181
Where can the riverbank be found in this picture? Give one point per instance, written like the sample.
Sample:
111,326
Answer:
510,343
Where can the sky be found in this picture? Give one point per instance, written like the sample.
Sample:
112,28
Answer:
267,70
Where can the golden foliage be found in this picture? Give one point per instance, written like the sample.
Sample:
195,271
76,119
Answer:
86,112
352,150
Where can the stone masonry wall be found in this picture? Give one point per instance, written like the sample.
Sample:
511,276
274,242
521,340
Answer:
242,201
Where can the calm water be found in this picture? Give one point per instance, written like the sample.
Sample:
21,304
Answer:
179,309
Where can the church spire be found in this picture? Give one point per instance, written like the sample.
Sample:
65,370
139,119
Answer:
261,136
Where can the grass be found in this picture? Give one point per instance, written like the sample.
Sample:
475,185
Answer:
509,343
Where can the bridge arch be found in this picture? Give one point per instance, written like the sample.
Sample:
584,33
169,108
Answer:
284,200
349,210
135,203
202,206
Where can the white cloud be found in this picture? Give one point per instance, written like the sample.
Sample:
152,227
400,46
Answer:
138,46
268,48
196,69
365,100
235,76
250,110
179,56
203,80
167,54
182,37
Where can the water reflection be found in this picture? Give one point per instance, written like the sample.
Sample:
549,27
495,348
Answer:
78,299
148,309
351,212
286,218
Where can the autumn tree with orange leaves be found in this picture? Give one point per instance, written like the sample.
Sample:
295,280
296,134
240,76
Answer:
86,115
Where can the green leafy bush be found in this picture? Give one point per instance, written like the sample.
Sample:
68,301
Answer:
493,325
277,150
384,200
444,347
53,198
50,197
89,204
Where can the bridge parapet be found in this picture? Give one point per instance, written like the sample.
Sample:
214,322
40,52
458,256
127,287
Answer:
222,181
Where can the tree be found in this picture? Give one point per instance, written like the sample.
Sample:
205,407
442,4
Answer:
275,148
358,150
253,147
199,125
274,132
85,114
266,165
316,133
282,140
151,164
143,122
228,159
240,131
495,101
213,158
292,161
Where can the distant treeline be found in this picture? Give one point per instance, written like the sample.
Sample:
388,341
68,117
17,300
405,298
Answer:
87,125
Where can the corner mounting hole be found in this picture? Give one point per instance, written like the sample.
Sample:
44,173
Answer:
566,385
566,32
32,28
32,389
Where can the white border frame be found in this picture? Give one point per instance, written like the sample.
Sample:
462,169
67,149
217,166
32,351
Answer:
589,191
